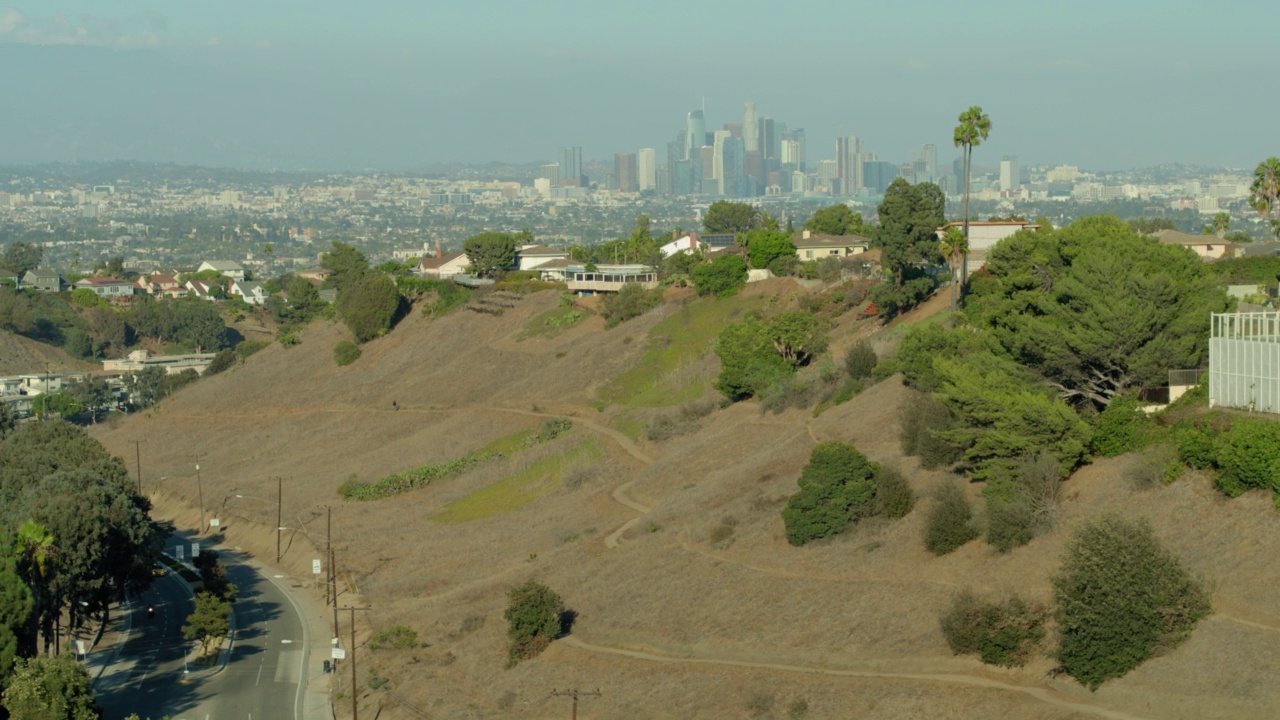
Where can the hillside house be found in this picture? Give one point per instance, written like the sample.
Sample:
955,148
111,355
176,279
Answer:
530,257
251,292
206,289
687,243
106,287
1206,247
811,246
226,268
139,360
608,278
43,280
444,267
984,234
161,285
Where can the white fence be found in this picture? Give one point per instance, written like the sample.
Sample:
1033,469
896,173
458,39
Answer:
1244,361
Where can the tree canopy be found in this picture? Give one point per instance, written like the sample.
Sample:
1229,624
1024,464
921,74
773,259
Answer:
909,218
490,253
19,257
722,276
725,216
346,265
765,246
53,687
838,219
369,305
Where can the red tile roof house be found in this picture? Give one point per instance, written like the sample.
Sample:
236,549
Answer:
107,287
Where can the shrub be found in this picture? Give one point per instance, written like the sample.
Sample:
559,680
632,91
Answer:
721,277
1196,445
1120,428
722,535
345,353
789,393
749,363
784,265
1157,465
630,302
894,496
860,361
369,305
222,361
837,486
923,420
1248,456
1120,598
1010,523
1003,633
950,523
249,347
533,618
397,637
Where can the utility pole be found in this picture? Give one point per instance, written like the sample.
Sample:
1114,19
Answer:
334,579
279,510
328,550
200,494
355,708
575,694
137,452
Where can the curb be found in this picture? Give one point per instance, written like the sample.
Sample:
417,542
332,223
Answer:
224,651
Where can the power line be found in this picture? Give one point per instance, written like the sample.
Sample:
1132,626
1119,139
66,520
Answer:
575,694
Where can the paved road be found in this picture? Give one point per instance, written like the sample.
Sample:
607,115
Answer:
264,677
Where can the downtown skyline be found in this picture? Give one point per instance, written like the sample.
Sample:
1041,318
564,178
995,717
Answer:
320,86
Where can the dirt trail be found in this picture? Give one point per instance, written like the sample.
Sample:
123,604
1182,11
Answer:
1044,695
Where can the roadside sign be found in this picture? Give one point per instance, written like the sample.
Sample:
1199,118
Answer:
315,567
339,654
81,650
195,550
179,550
214,522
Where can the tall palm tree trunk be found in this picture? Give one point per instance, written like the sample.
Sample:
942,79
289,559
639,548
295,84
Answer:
964,262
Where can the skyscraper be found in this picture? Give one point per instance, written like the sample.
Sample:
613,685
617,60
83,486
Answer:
624,168
695,135
930,154
552,174
849,161
571,167
647,169
797,136
735,180
750,128
717,159
1010,173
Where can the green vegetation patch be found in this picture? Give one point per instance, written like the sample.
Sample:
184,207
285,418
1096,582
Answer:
553,322
524,487
407,480
440,296
676,342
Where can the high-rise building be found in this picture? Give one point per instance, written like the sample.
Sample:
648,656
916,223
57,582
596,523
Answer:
571,167
797,136
552,174
647,169
706,171
849,161
878,174
750,128
735,182
1010,173
624,169
717,159
790,154
695,134
930,156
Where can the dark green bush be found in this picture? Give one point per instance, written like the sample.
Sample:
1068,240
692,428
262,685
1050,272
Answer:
894,496
249,347
345,353
950,523
1248,456
533,618
222,361
1197,445
1120,428
369,305
721,277
1121,597
1003,633
860,361
923,420
837,487
631,301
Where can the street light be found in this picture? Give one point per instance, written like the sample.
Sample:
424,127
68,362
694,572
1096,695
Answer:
200,495
279,511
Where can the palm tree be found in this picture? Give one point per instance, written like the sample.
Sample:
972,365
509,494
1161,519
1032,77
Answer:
1265,192
954,247
973,129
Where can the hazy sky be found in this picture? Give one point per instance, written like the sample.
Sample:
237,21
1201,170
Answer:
399,83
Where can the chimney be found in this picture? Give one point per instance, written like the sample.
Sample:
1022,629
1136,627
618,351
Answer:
674,236
439,253
804,235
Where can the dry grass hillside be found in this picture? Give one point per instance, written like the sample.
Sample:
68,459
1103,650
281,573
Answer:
20,355
670,624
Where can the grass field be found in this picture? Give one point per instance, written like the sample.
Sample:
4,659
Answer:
553,322
520,489
664,374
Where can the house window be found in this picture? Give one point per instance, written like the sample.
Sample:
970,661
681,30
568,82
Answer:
808,253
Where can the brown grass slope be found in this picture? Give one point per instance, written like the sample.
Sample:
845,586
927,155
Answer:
20,355
669,624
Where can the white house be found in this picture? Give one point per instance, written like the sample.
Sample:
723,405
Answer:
251,292
810,246
107,287
204,289
534,256
688,242
984,234
226,268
